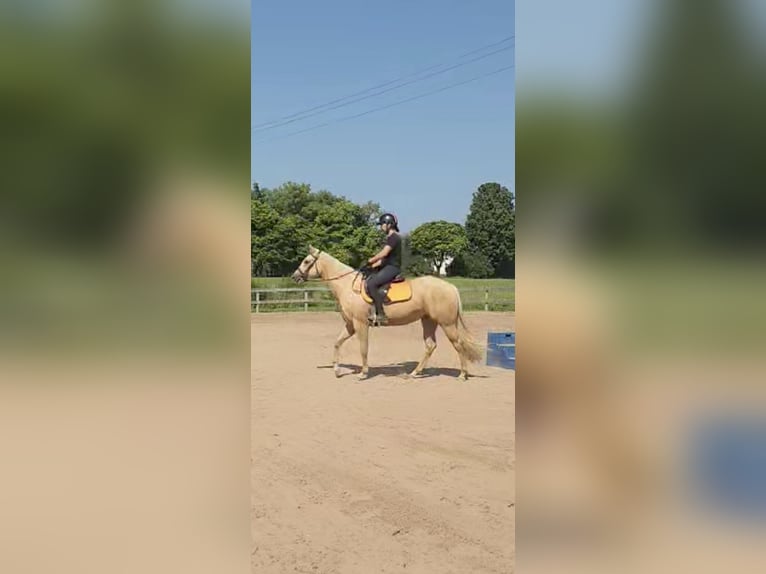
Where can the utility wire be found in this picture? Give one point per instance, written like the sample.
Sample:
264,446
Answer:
380,92
391,105
308,112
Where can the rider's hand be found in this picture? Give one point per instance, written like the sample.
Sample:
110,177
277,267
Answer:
376,264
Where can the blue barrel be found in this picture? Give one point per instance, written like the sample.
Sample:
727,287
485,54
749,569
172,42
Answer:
727,464
501,350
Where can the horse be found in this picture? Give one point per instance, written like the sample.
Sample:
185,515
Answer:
433,301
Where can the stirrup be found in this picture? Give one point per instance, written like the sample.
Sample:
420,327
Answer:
375,320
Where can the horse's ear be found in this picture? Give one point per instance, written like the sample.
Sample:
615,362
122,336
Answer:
313,251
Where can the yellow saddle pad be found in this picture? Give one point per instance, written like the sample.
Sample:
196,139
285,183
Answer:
397,292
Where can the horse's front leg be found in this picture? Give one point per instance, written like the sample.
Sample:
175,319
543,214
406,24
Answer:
362,331
346,333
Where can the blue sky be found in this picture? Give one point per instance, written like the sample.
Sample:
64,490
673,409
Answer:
593,47
585,47
421,160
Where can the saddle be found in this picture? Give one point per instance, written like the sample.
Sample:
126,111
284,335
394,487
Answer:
397,291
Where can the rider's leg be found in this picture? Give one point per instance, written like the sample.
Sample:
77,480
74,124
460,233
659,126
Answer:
382,277
373,290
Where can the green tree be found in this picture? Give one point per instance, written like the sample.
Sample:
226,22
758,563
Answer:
285,220
696,129
290,198
342,229
491,227
371,211
438,240
471,263
413,264
263,222
277,243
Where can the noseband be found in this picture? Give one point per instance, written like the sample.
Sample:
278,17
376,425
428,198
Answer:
305,274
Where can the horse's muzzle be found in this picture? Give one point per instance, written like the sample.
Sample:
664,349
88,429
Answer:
298,277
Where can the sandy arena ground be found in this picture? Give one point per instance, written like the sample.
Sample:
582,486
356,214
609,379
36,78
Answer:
384,475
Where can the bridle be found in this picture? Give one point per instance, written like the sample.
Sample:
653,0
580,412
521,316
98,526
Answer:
304,275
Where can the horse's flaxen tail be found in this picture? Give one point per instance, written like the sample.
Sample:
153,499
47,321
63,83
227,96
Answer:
471,349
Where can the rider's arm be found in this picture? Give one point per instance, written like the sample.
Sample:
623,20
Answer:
382,254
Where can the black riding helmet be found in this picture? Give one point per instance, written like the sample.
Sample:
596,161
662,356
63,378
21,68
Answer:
389,218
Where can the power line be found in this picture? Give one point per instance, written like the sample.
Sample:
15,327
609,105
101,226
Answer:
384,84
307,113
391,105
380,92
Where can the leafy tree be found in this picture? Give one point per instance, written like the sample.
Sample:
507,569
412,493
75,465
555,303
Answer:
696,129
491,227
289,198
102,153
263,222
285,220
413,264
343,231
277,243
438,240
471,263
371,211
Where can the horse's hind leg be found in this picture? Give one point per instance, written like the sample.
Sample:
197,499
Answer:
429,338
452,334
346,333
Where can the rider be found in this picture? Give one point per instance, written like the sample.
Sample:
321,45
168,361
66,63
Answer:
387,263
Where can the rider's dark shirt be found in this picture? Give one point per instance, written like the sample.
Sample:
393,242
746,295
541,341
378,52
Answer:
395,257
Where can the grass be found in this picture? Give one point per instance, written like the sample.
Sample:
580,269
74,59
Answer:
500,293
501,296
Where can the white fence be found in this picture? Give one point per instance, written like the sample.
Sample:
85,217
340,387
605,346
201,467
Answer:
321,299
284,297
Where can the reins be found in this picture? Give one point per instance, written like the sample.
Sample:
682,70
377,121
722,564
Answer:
347,273
316,258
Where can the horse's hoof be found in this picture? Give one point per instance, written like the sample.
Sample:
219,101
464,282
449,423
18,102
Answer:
463,377
362,376
337,373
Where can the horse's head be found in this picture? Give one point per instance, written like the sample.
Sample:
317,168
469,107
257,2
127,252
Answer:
308,269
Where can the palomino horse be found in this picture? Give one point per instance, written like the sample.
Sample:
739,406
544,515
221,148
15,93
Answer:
434,302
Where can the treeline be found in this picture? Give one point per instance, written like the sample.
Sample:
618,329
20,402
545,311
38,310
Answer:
286,219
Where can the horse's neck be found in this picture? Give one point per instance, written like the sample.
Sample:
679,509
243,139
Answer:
339,275
332,267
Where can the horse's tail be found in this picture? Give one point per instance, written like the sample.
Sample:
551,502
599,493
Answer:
471,349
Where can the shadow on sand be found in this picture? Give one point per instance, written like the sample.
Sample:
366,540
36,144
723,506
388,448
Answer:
400,370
